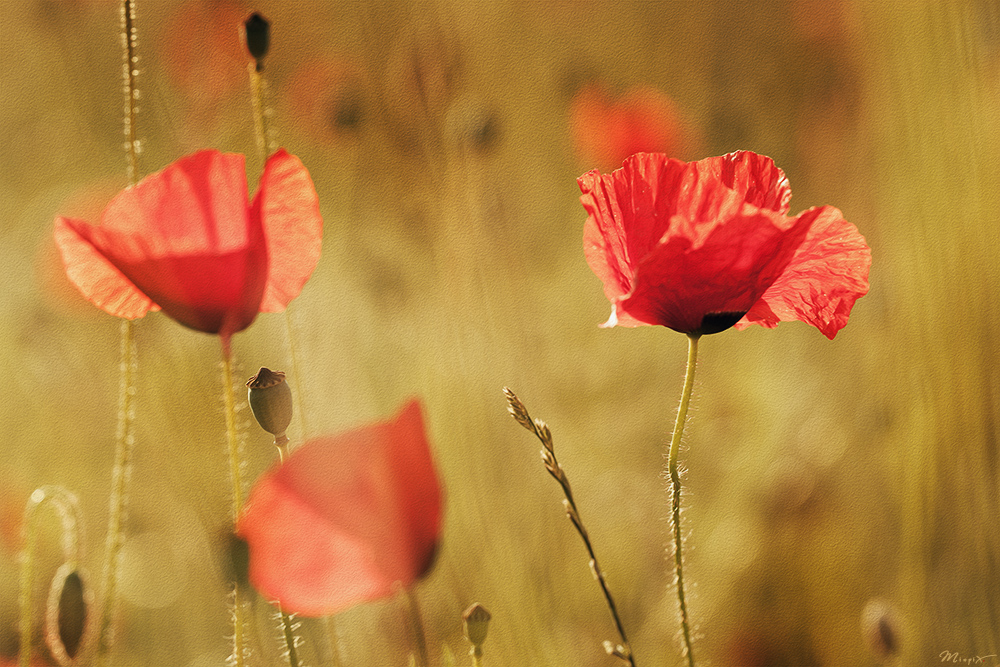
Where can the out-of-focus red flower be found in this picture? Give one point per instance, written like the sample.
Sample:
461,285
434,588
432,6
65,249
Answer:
699,247
346,518
187,241
606,130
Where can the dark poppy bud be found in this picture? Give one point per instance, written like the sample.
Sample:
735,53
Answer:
257,35
476,623
67,614
271,401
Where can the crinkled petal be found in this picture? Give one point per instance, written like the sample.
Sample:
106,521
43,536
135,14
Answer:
681,282
634,211
345,517
289,211
97,278
827,274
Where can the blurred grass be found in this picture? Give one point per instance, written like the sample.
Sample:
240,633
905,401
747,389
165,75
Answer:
822,474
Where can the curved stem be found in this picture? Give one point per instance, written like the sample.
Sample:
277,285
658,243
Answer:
675,485
68,508
232,437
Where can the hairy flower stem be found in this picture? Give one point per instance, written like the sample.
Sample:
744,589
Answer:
288,630
121,472
261,129
125,439
265,146
675,485
264,149
517,410
232,437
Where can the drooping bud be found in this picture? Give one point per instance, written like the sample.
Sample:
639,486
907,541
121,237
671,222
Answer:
476,623
271,402
67,614
257,36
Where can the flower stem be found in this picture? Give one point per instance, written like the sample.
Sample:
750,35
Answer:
418,628
265,146
121,472
130,70
125,439
261,129
675,484
288,630
232,437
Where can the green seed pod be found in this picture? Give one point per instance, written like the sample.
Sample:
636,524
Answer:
477,622
67,614
271,401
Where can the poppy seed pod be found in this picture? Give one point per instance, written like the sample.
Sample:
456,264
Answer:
67,614
271,401
477,622
257,32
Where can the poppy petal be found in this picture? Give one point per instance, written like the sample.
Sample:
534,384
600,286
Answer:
827,274
683,281
289,212
97,278
655,207
345,518
184,237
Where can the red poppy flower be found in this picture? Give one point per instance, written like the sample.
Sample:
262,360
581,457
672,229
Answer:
186,240
702,246
606,131
345,518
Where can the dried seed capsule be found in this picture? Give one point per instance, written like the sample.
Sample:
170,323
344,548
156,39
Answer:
271,401
477,622
67,614
257,34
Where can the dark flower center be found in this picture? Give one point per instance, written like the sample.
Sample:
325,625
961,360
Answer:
715,322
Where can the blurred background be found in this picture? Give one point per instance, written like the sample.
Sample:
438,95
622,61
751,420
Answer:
825,478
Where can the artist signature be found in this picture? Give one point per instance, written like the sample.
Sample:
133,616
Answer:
954,657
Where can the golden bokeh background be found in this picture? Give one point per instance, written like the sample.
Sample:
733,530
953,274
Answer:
822,475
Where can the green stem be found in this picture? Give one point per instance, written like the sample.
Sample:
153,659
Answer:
232,437
124,446
259,117
675,484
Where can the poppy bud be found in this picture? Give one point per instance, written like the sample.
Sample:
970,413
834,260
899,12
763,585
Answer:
67,614
476,623
257,34
271,402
